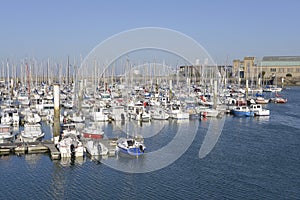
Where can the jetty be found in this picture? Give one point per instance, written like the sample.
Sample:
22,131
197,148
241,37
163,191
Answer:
47,147
30,147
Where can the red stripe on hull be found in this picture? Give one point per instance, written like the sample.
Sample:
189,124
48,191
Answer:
93,136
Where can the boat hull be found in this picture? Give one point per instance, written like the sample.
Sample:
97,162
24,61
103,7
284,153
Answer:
262,113
243,113
262,101
6,138
130,147
25,138
92,135
134,151
96,148
70,150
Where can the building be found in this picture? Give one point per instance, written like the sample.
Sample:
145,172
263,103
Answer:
245,69
270,68
280,66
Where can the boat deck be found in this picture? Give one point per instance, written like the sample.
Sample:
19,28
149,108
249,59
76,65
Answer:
110,144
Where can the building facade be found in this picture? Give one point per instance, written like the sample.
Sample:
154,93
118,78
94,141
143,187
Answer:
280,66
268,68
245,69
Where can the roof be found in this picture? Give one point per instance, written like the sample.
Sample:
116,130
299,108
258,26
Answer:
281,61
281,58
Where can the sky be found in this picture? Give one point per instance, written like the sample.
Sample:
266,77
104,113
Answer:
227,29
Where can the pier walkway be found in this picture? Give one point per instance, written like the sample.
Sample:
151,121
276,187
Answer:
47,146
30,147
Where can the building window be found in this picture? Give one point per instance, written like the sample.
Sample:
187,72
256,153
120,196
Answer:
298,70
273,70
242,74
281,70
289,69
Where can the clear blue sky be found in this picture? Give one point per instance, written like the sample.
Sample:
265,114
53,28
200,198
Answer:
225,28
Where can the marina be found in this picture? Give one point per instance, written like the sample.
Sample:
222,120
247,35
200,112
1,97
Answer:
167,100
70,131
67,119
193,135
248,156
144,131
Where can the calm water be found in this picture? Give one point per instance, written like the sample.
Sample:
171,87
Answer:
254,158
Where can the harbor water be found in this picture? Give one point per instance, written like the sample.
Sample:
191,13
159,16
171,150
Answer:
253,158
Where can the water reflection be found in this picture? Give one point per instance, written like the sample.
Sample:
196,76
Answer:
212,136
32,159
69,161
97,159
262,119
144,129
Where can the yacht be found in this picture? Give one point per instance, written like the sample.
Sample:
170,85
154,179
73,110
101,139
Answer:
31,132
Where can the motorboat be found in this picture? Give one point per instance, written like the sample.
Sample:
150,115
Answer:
10,116
96,148
242,111
138,112
261,100
159,113
32,118
6,134
258,110
92,132
31,132
69,129
177,113
272,88
209,112
99,114
279,99
130,146
70,146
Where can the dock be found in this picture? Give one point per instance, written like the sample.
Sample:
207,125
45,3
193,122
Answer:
47,146
54,153
30,147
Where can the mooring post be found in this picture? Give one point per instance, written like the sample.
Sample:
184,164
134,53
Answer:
56,131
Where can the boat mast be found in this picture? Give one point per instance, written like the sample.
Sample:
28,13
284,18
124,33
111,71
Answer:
68,72
48,64
28,79
7,68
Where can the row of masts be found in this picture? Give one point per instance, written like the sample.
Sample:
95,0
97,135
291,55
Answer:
31,72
